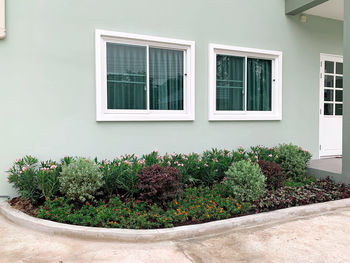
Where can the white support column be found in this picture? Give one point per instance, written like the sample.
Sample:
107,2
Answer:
2,19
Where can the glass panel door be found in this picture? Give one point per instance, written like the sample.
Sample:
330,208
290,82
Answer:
333,88
331,107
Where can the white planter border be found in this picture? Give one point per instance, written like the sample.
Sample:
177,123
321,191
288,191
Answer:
181,232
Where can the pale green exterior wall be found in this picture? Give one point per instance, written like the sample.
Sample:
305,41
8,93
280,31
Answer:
47,75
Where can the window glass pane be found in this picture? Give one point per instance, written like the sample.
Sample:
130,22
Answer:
166,79
328,95
259,84
329,81
329,67
126,77
339,95
328,109
230,83
338,109
339,82
339,68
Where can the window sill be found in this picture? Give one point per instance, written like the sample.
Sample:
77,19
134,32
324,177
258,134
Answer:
242,117
144,117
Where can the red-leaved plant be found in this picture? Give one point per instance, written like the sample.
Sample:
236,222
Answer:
273,173
159,184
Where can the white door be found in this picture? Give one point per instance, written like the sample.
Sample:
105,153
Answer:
331,105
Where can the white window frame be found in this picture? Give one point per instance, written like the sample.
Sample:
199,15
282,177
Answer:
103,114
276,104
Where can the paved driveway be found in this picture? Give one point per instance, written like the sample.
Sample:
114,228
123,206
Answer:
321,238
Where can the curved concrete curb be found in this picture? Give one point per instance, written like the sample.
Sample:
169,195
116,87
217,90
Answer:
181,232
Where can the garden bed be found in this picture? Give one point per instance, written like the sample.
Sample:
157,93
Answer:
181,232
132,214
156,191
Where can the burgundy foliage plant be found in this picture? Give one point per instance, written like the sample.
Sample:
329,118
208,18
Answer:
159,184
273,173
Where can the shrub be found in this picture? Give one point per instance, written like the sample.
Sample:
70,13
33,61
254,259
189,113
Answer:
120,175
189,166
245,181
23,175
80,180
273,173
263,153
293,160
216,163
48,181
159,184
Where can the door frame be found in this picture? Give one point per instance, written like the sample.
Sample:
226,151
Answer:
323,57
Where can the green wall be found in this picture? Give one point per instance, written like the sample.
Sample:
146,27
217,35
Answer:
47,75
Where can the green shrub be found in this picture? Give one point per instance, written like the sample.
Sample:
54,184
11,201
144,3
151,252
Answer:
120,175
80,180
293,160
263,153
216,162
23,175
190,167
245,181
47,178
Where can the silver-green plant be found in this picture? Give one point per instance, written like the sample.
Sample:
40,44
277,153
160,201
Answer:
80,180
244,181
293,160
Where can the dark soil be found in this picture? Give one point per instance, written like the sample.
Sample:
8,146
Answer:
23,205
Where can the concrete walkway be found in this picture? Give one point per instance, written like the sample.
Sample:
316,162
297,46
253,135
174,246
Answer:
322,238
333,165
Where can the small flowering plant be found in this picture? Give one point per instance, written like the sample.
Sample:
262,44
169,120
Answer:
23,176
48,178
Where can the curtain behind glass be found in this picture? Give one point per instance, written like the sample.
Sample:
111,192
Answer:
126,77
259,85
166,75
229,83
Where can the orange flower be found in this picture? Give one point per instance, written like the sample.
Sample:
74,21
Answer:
166,219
